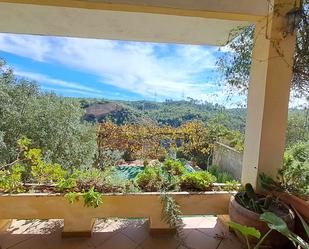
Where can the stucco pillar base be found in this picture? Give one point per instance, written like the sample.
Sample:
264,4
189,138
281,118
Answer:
159,227
5,224
77,227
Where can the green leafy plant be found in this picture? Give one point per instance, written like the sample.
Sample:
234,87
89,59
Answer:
170,211
276,223
43,172
293,177
246,232
71,197
256,203
107,158
231,186
171,214
173,167
66,184
222,176
199,180
11,180
40,170
113,182
152,179
92,198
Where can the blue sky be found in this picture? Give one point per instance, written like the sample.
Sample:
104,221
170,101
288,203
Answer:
117,69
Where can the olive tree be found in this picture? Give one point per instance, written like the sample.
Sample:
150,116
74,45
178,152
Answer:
53,123
235,64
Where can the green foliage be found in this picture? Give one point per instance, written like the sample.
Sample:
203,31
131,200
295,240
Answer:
222,176
109,181
71,197
107,158
244,230
46,172
11,180
171,211
248,232
152,179
276,223
92,198
41,171
117,183
236,64
298,127
256,203
173,167
53,123
169,113
294,175
197,181
231,186
66,184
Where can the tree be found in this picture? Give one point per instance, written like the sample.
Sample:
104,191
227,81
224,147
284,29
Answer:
52,123
235,65
298,127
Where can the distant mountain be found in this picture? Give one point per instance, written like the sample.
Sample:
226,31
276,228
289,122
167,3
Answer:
170,112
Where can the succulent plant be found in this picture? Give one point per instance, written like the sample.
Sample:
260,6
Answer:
250,200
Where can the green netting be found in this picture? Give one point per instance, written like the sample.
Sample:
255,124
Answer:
131,172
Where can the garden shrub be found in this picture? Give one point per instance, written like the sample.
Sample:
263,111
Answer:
117,183
11,180
173,167
161,159
295,171
152,179
180,154
222,176
300,152
145,162
53,123
107,158
197,181
108,181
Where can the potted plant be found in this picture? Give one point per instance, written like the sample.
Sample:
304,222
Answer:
286,191
292,182
274,223
246,207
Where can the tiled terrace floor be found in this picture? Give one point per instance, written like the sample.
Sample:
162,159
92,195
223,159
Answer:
198,233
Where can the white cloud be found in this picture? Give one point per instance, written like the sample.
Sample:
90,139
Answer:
25,46
44,79
143,68
72,92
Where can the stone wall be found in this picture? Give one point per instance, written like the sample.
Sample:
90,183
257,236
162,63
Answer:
228,159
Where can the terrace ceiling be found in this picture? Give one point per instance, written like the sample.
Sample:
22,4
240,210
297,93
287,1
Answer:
174,21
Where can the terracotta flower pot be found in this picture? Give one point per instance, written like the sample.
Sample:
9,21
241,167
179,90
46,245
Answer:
302,207
248,218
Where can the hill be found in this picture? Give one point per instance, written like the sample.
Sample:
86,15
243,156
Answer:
170,112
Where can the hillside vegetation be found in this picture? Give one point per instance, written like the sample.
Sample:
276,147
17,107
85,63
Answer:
170,112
